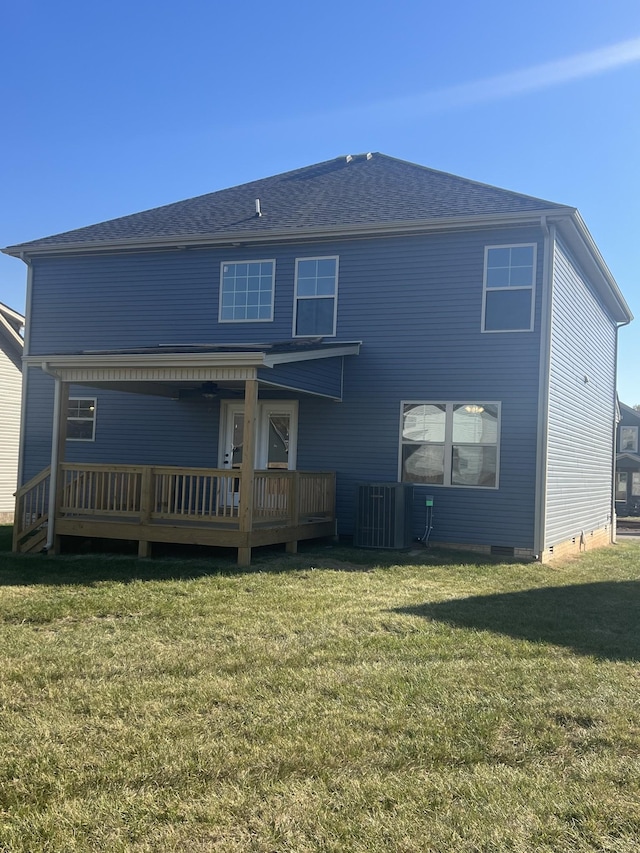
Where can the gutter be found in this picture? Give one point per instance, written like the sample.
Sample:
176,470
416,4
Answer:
614,523
241,238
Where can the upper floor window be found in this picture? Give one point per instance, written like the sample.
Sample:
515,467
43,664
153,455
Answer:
450,444
246,291
81,419
316,294
509,278
628,439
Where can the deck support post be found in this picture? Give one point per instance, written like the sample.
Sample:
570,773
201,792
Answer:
248,468
60,409
146,485
291,547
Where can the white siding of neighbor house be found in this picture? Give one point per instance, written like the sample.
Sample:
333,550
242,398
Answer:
10,396
581,406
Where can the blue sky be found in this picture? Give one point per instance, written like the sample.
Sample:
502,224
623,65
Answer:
113,108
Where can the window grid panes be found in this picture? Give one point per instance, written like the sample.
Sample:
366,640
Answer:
81,419
450,444
629,439
246,291
316,292
509,280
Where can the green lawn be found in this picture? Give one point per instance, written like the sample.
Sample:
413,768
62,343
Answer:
337,700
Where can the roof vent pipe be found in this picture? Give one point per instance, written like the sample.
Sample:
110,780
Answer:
258,208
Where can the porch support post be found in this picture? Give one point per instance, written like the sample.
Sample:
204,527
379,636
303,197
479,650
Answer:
58,439
247,469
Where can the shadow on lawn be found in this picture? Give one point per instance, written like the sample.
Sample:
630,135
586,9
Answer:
599,619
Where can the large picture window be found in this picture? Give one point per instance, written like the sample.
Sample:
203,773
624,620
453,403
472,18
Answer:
509,278
450,444
316,297
246,291
81,419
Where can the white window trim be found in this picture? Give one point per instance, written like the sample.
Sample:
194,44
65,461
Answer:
335,258
93,420
273,288
532,288
448,440
633,449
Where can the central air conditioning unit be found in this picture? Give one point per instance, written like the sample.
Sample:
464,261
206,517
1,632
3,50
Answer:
383,515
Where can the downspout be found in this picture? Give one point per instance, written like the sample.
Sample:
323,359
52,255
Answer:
614,523
55,451
25,369
544,388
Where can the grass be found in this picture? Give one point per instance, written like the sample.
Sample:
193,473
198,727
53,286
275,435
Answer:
332,701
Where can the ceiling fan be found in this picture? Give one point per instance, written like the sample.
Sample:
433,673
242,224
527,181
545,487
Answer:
206,391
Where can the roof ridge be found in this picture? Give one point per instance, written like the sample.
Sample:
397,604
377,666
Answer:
349,191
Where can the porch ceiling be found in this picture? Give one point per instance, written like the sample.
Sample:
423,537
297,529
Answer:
167,371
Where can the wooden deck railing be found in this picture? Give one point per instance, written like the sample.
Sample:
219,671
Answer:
150,497
211,495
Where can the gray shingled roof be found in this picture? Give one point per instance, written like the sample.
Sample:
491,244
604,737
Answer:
367,189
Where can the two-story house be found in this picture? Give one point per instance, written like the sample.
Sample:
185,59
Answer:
228,369
628,462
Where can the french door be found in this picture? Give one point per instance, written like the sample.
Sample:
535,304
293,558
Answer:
276,438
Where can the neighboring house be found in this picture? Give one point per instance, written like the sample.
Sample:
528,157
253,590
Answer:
360,320
11,344
628,462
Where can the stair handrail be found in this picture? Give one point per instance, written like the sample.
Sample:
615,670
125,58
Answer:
19,532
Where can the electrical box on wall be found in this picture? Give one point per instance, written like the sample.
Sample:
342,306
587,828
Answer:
383,515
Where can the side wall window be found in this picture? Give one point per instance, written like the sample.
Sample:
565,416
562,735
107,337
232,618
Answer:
81,419
246,291
622,479
316,296
450,444
629,439
508,290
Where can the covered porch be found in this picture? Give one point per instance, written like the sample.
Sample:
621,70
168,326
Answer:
235,504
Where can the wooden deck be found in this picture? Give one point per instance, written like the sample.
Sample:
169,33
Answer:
203,506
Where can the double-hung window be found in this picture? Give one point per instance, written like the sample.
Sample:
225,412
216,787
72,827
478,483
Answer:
81,419
508,293
450,444
246,291
316,296
629,439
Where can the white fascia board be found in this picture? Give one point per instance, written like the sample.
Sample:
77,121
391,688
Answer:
630,457
309,355
10,314
576,234
226,359
445,223
12,335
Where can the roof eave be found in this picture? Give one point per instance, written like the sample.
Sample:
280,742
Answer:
584,247
448,223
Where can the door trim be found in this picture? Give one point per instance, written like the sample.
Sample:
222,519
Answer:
265,407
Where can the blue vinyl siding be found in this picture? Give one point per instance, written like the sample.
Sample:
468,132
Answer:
320,376
416,304
130,428
581,406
